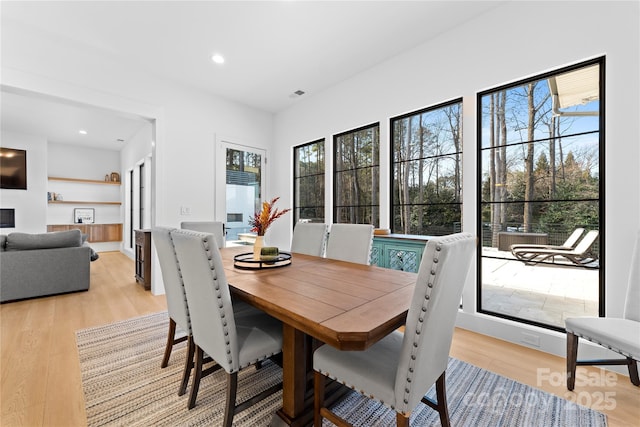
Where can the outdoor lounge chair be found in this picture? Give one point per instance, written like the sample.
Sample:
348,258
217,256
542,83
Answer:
568,244
579,255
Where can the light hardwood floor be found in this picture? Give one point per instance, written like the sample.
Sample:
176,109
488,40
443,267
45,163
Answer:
40,377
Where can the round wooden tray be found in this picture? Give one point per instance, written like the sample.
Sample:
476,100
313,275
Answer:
245,261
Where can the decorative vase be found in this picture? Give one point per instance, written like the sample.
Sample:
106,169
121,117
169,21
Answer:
257,247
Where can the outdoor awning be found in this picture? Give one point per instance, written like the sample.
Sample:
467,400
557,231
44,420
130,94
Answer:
576,87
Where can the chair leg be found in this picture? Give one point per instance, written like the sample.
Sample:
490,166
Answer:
196,377
230,407
169,346
318,398
188,365
572,356
633,372
440,404
402,420
441,395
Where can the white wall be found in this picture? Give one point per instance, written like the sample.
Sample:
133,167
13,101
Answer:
514,41
137,148
187,120
72,161
30,204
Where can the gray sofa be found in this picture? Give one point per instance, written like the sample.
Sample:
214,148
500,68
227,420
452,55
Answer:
33,265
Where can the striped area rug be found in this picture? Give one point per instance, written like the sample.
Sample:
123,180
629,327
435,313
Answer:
125,386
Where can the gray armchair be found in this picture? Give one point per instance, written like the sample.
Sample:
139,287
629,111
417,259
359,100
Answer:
399,369
620,335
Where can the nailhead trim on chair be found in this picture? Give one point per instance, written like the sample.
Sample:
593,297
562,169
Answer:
352,387
184,294
617,350
423,311
207,247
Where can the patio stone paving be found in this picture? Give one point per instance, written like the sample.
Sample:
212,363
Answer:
542,293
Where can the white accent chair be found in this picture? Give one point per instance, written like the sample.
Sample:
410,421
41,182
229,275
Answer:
176,302
213,227
309,238
620,335
350,242
177,307
399,369
217,229
233,342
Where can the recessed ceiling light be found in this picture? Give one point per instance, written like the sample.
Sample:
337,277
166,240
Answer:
217,58
82,132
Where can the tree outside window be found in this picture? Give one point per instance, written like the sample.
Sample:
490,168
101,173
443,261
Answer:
357,176
540,164
308,182
427,174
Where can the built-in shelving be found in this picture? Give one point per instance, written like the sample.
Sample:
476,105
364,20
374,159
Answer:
96,233
82,202
109,226
84,181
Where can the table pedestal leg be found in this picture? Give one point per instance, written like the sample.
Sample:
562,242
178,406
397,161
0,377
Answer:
294,377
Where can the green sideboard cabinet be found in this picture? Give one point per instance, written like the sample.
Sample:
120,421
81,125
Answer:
398,251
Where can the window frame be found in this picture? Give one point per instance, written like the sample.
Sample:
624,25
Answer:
296,207
601,62
393,163
374,125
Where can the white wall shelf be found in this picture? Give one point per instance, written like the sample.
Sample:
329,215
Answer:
84,181
82,202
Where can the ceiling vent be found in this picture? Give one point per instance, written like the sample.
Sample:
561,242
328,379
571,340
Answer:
297,94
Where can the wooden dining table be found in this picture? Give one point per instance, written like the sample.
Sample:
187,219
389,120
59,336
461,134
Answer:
348,306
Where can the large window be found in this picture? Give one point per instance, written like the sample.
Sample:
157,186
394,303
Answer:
426,182
308,182
540,163
357,176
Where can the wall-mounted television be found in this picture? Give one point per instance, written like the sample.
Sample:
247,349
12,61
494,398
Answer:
13,169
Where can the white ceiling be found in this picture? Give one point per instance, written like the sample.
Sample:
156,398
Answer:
272,48
60,122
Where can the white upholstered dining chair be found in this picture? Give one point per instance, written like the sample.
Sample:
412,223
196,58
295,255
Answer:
399,369
179,322
177,307
309,238
621,335
350,242
233,342
213,227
